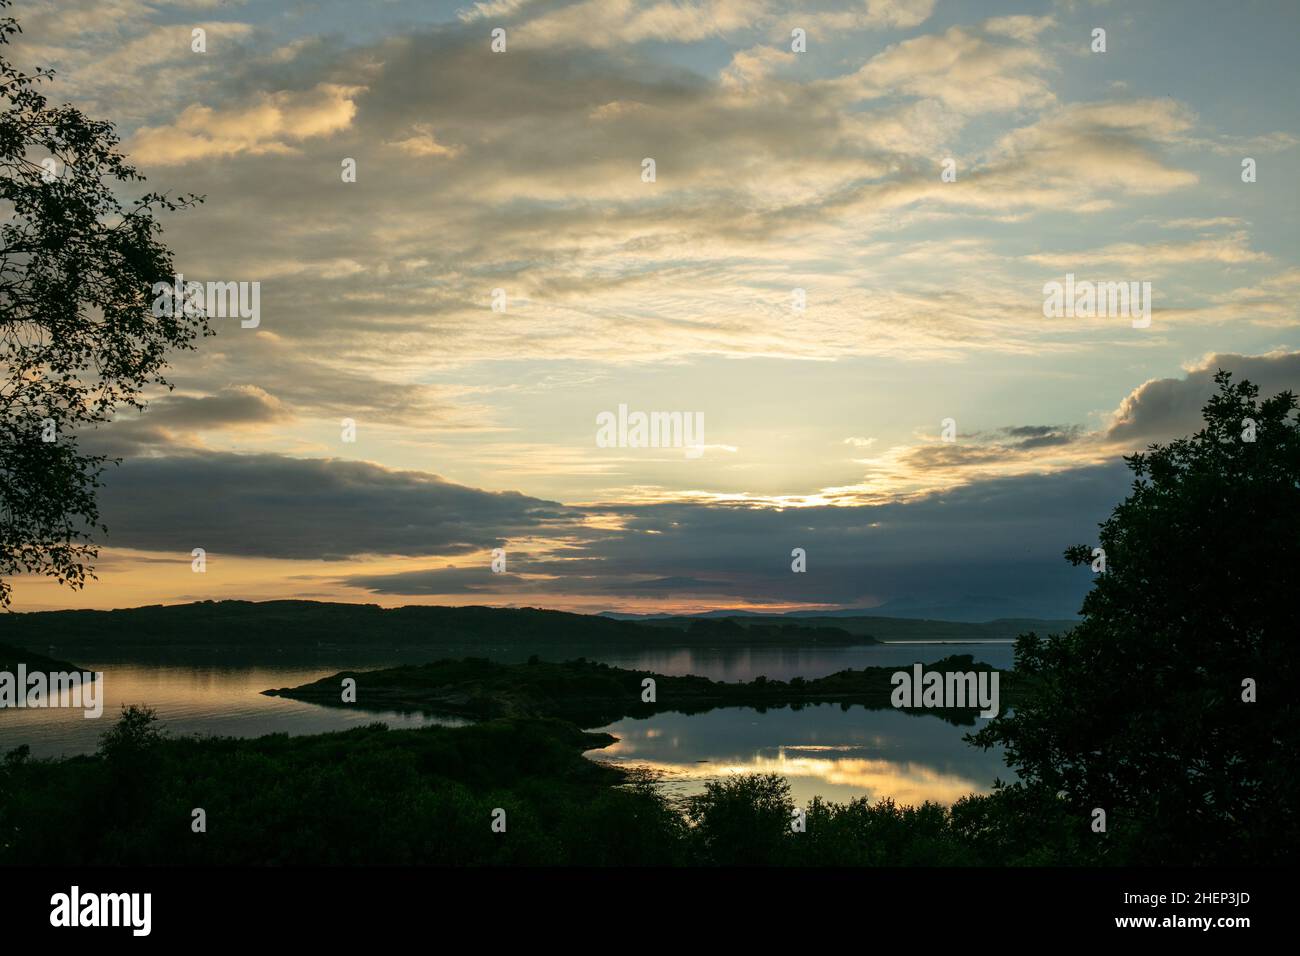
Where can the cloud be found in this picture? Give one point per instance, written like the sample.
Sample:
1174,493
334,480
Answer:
421,143
1206,222
1272,300
1002,536
1042,436
605,23
268,123
1165,408
115,58
769,178
965,69
608,23
1100,146
272,506
237,405
863,15
489,9
1020,27
1232,249
174,420
993,535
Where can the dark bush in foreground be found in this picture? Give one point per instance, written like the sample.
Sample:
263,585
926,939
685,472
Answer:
378,796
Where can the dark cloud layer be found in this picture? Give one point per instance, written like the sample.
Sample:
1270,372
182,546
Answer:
272,506
1002,536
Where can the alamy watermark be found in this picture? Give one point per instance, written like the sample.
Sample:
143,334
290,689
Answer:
958,689
216,300
74,908
651,430
53,689
1090,300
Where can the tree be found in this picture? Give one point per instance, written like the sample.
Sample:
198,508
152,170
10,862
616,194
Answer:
135,734
1142,709
78,336
742,820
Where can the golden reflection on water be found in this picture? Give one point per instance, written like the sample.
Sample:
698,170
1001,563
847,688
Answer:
918,762
907,783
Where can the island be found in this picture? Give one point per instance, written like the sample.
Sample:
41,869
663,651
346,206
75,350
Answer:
591,694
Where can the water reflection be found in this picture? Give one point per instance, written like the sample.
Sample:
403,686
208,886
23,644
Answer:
193,699
840,753
783,663
821,749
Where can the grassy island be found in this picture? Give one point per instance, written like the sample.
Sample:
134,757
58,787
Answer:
591,694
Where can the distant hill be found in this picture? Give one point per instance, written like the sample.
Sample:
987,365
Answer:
887,629
969,609
282,624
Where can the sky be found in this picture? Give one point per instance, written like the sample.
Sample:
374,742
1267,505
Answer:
839,266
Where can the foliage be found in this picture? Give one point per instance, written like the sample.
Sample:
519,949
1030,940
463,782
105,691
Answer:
1139,710
78,336
377,796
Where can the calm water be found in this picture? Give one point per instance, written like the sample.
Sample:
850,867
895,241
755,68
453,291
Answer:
839,753
822,749
783,663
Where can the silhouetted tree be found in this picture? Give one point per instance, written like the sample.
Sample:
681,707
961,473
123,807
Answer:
77,332
1139,709
135,733
742,820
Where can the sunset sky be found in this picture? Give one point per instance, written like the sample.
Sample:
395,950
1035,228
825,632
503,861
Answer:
775,171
